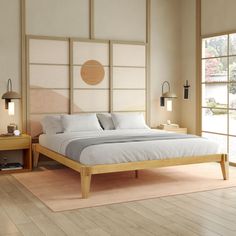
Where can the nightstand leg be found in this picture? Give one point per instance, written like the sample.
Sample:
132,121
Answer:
35,156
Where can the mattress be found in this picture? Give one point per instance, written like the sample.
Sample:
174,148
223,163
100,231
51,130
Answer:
114,153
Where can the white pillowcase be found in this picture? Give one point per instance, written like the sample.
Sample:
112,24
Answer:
80,122
106,121
52,124
129,121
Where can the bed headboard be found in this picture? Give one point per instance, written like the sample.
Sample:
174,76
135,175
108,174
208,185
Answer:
70,75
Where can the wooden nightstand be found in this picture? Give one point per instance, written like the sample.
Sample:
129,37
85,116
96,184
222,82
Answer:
22,142
174,129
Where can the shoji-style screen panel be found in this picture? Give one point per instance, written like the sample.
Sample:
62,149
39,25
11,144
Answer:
128,77
66,75
48,79
48,51
90,76
132,78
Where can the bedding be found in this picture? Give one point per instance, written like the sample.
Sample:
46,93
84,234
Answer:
106,121
80,122
123,152
129,121
75,147
52,124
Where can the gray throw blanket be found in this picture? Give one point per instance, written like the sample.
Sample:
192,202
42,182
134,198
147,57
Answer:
75,147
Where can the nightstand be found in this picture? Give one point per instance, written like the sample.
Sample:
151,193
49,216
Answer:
22,142
174,129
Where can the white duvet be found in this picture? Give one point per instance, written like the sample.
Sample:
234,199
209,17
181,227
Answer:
129,152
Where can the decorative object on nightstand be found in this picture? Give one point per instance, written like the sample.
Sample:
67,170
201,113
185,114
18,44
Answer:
21,142
172,127
167,95
8,96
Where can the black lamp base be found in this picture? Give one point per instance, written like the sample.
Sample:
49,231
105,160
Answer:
162,101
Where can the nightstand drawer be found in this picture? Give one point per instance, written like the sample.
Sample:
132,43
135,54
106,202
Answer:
178,130
14,143
174,129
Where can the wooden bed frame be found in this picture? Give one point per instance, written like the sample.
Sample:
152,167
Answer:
86,171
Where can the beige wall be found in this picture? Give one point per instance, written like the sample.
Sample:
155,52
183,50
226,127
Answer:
114,19
188,63
218,16
69,18
9,56
165,58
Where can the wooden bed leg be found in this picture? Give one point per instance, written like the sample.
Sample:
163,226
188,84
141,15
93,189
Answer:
225,166
85,182
136,174
35,156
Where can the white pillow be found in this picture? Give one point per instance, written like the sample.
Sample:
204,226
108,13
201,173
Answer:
106,121
129,121
52,124
80,122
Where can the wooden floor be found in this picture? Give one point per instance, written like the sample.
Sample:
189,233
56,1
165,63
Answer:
205,213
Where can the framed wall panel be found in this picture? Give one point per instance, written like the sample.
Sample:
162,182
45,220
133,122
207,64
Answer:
133,78
49,101
129,55
129,100
47,78
90,50
128,70
48,51
68,75
91,101
91,83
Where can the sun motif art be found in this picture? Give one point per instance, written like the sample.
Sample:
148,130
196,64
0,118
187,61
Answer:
92,72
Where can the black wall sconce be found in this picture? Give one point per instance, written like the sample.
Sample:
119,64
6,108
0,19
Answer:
167,94
186,90
9,95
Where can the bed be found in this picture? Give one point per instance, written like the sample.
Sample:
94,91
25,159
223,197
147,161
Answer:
58,85
106,151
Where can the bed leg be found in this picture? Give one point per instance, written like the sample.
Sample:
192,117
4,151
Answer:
225,166
136,174
35,156
85,176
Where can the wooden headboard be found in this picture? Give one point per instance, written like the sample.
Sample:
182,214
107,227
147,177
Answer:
71,75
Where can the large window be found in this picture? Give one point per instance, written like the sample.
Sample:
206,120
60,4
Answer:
219,91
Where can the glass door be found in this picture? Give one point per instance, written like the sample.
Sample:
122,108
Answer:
219,92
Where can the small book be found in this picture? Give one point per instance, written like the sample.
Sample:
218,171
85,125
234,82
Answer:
11,166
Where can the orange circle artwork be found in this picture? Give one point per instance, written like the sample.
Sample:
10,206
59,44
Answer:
92,72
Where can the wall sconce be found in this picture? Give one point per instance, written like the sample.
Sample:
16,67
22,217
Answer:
186,90
8,96
167,95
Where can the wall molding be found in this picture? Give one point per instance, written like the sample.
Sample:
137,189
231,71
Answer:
198,68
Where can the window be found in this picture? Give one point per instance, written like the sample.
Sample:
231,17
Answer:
219,91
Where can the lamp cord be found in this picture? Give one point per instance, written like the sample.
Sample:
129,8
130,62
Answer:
165,82
9,85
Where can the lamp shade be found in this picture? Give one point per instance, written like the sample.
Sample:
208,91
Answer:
10,94
169,95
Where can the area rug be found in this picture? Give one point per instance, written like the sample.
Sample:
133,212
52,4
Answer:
60,189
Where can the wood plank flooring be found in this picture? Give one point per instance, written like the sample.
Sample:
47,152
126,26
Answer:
208,213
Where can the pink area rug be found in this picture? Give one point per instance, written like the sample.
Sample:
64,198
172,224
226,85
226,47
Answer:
60,189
